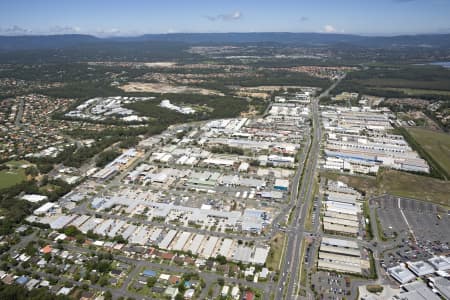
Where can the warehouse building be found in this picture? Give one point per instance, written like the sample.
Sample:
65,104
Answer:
401,274
126,234
181,241
156,235
225,248
442,285
332,226
203,179
250,219
341,256
34,198
251,255
209,246
420,268
281,184
164,244
45,208
359,141
440,263
273,195
221,162
140,236
62,221
196,244
417,290
80,220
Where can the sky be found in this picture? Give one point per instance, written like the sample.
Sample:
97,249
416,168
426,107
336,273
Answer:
135,17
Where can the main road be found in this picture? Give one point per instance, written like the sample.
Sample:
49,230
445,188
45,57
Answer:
288,284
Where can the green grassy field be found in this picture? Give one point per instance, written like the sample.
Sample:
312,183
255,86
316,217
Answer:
366,184
400,184
276,249
9,178
436,144
414,186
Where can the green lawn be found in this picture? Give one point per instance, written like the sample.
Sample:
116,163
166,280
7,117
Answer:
436,144
9,178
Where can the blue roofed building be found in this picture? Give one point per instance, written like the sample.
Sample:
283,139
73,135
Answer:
22,280
149,273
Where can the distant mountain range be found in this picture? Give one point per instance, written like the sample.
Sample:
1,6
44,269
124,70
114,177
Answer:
31,42
14,43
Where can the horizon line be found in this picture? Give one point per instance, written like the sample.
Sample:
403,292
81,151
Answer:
104,36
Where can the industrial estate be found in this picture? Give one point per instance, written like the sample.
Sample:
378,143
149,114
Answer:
226,172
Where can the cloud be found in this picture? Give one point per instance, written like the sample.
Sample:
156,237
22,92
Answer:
14,29
234,16
65,29
304,19
329,29
107,32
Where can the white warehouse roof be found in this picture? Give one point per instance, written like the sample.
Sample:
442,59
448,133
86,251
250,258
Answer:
401,274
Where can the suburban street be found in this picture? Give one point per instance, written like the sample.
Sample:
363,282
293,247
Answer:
19,115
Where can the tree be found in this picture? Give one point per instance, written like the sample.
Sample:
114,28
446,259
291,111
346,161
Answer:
90,234
151,281
30,249
119,239
71,231
25,265
93,278
32,171
103,281
221,259
108,295
80,238
47,256
105,157
179,297
181,287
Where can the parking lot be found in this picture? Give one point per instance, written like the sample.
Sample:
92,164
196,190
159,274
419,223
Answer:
428,222
329,285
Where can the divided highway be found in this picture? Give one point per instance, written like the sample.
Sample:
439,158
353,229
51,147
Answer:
288,284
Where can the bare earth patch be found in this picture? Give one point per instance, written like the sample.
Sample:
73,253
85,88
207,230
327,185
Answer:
163,88
268,88
160,64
